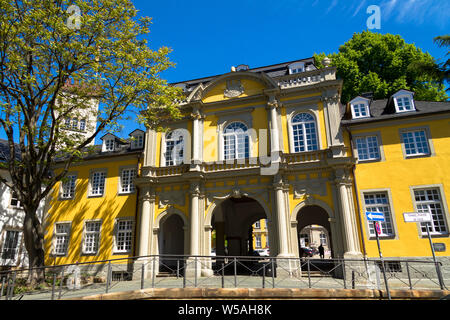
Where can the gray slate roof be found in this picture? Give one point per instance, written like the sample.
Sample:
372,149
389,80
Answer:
384,110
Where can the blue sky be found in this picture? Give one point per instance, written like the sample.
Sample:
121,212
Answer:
208,37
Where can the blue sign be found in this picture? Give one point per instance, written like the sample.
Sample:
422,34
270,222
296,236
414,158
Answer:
375,216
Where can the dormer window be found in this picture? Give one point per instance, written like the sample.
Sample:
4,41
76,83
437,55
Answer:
360,108
108,145
403,104
296,67
403,101
137,139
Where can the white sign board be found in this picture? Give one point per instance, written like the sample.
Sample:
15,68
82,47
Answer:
417,216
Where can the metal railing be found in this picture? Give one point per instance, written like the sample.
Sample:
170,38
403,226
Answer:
178,271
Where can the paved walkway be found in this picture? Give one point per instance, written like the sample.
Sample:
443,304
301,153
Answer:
228,282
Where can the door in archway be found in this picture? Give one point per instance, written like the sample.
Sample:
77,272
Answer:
171,241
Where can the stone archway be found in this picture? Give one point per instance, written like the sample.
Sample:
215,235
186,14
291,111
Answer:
171,240
231,219
310,216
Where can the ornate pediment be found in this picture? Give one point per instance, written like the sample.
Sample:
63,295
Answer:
234,88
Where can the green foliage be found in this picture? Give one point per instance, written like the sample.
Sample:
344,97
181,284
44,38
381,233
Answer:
382,64
56,64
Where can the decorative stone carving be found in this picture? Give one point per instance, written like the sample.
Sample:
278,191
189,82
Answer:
307,188
171,198
234,89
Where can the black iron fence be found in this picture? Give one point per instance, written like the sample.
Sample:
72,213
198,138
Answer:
177,271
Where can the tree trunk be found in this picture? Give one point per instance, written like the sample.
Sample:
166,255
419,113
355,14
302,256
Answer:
34,243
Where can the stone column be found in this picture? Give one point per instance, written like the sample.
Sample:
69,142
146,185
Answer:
274,133
194,218
146,211
193,268
343,184
281,217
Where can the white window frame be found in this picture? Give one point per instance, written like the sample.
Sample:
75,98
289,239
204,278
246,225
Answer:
258,241
371,155
402,97
179,144
65,238
426,205
91,238
128,233
237,136
387,227
358,109
101,186
307,146
296,67
415,142
138,141
71,184
127,187
109,145
18,205
83,125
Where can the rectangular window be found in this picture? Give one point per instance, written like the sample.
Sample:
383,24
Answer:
258,241
367,148
138,141
126,180
98,183
82,124
360,110
15,201
404,104
74,124
124,234
415,143
109,145
91,237
68,187
10,245
429,200
379,202
62,234
323,238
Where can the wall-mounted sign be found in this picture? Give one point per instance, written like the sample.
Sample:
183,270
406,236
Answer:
439,247
417,216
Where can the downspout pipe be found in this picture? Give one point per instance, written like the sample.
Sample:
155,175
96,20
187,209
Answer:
357,197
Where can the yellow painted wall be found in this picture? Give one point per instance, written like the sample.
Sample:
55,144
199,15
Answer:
399,175
250,88
107,208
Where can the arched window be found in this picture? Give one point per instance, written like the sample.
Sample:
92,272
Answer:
236,141
174,154
304,133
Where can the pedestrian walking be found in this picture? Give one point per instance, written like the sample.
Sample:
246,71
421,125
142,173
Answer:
321,252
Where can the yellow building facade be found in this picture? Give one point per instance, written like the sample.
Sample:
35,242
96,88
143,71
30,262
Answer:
271,144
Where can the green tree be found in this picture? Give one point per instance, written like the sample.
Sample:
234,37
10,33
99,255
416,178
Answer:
98,45
434,69
373,62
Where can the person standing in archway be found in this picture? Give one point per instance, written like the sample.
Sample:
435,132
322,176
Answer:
321,252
